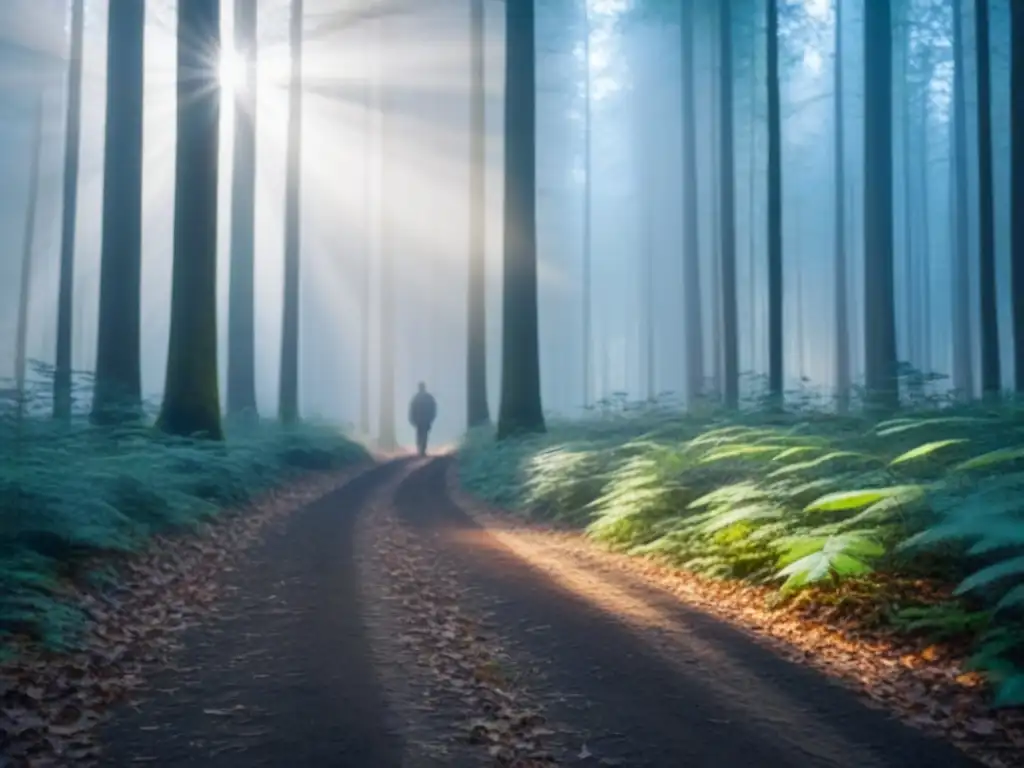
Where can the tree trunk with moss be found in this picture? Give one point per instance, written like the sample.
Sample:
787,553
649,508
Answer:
117,394
520,411
65,291
191,403
288,393
241,364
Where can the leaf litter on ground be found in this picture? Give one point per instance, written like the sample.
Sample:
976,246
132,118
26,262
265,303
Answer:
926,684
449,652
52,701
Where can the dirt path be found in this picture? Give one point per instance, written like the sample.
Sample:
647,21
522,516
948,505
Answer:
285,677
650,685
321,658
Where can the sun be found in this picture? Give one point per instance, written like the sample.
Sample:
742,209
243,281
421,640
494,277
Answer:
232,71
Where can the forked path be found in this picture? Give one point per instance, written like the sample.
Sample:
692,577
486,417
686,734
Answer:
287,677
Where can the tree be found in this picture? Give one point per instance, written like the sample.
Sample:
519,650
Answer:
1017,187
241,363
990,373
841,301
520,410
191,404
727,213
691,237
963,357
69,212
117,395
879,310
27,250
386,437
586,289
476,352
288,392
775,359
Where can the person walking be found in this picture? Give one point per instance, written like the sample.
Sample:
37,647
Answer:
422,412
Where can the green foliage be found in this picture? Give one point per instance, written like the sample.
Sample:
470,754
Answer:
795,499
69,491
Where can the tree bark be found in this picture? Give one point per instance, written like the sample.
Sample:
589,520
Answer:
191,405
288,392
1017,187
963,353
694,330
841,296
879,310
775,327
477,412
241,363
117,394
520,410
69,215
727,214
991,375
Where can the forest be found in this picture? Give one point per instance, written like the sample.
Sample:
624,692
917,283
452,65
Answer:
722,305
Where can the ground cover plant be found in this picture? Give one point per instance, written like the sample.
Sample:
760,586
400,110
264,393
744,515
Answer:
70,491
917,519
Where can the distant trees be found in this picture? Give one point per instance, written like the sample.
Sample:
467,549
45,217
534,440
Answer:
27,250
191,404
241,363
520,410
727,212
844,378
118,384
775,359
69,213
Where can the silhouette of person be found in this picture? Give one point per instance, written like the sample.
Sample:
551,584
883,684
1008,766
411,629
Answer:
422,412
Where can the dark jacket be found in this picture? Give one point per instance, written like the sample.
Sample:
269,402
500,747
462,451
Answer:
422,410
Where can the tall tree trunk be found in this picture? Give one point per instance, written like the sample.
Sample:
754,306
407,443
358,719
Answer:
1017,187
69,214
879,310
841,297
910,287
27,250
694,330
370,165
727,214
386,438
241,367
520,410
477,412
288,393
191,404
586,290
117,395
991,376
775,328
963,353
924,201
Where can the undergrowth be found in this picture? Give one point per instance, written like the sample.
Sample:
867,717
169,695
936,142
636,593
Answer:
799,499
71,491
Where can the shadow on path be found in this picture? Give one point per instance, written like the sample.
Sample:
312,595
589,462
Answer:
722,701
285,677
